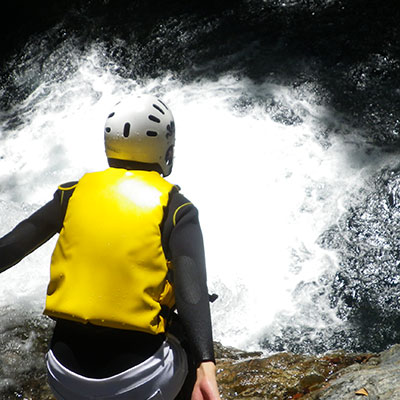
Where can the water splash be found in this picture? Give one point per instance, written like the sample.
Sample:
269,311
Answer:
263,163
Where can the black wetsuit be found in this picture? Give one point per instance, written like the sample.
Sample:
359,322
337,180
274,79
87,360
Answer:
98,352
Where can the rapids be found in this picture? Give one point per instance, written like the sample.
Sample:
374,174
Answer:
297,187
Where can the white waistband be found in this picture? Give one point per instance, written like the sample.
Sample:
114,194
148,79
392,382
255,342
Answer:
165,370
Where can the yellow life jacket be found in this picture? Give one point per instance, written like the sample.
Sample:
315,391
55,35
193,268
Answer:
108,266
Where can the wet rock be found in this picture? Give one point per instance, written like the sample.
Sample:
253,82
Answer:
281,376
378,378
231,353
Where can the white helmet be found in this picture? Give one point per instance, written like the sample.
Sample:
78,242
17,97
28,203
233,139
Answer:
141,129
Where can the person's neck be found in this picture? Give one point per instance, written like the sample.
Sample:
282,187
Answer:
131,165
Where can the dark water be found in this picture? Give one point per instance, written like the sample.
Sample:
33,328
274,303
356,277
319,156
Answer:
348,51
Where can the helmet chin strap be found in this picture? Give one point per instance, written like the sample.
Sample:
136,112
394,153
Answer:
131,165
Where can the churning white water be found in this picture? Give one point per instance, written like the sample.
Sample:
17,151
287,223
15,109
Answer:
265,190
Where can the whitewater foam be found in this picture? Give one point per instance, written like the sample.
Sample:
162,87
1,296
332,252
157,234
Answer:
265,190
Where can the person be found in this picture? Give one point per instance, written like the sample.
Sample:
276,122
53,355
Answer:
128,286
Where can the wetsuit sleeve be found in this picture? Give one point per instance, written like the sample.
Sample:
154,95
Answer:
190,280
34,231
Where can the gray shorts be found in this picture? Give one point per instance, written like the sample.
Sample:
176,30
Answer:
158,378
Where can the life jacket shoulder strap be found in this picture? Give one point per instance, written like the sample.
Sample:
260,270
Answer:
66,190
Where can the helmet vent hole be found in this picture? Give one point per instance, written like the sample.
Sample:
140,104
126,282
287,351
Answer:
162,104
154,118
111,115
151,133
159,109
127,128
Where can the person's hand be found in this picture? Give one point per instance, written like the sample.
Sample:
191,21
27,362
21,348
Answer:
206,387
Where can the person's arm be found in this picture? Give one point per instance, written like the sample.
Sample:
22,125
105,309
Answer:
191,295
34,231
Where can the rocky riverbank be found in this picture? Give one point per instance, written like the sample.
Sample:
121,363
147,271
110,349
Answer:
283,376
333,376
